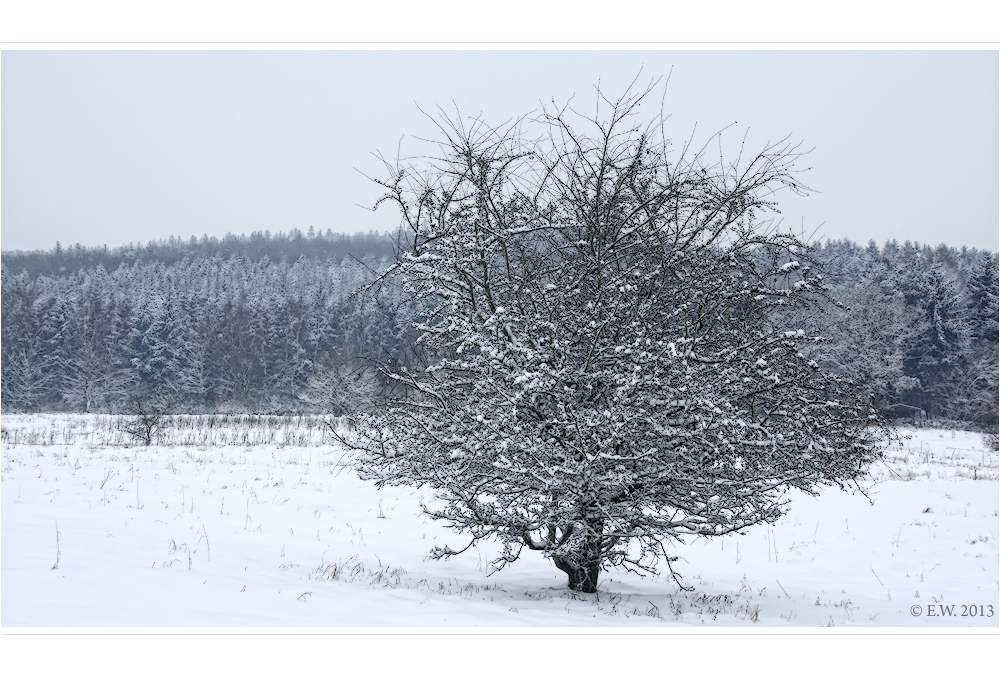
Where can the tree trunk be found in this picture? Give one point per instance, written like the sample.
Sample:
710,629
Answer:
582,577
583,565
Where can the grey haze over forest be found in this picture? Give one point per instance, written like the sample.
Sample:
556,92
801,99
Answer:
109,147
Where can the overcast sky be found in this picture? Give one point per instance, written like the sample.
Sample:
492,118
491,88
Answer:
108,147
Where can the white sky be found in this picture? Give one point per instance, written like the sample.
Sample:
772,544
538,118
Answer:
107,147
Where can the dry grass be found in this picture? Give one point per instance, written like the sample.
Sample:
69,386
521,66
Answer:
210,430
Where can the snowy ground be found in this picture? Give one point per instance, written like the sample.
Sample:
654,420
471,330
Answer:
244,522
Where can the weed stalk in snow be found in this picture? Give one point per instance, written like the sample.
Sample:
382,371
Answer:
58,554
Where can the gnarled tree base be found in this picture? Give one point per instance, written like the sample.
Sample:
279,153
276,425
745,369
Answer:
582,578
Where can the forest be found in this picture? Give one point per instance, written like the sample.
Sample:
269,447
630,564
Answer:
289,323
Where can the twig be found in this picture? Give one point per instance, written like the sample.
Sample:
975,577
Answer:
876,577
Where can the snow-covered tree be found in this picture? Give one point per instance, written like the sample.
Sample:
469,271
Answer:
25,366
611,360
981,391
870,340
982,297
26,361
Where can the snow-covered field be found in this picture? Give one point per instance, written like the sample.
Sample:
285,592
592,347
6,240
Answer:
230,521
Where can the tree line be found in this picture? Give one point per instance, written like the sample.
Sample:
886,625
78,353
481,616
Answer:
272,324
256,246
919,327
180,323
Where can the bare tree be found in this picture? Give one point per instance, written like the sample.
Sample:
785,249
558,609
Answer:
871,337
146,412
614,364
